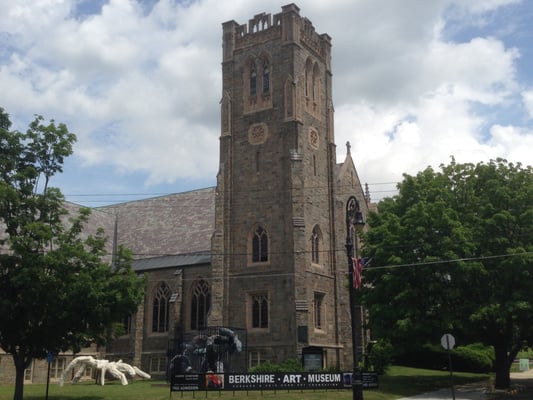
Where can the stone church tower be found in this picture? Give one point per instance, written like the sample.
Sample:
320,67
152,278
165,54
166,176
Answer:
277,263
279,238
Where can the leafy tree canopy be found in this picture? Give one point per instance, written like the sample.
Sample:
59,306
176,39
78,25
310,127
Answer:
56,291
453,253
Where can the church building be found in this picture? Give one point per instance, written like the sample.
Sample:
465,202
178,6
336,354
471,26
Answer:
263,253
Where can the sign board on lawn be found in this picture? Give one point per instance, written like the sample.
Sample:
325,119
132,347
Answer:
262,381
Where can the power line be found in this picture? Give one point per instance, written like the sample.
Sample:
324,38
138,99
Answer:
256,191
260,189
421,263
254,275
207,187
417,264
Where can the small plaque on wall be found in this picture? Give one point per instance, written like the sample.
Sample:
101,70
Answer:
313,138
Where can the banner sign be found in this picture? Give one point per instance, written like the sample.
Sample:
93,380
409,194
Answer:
186,382
370,380
275,381
259,381
268,381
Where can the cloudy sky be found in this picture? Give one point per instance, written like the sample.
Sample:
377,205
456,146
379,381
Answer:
139,82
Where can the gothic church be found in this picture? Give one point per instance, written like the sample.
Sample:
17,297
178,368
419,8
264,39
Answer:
264,251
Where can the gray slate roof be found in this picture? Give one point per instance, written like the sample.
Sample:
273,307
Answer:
180,223
180,260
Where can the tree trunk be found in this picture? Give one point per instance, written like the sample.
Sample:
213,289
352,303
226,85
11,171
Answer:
502,366
19,376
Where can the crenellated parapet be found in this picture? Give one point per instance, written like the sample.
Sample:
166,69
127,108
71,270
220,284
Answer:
288,26
320,44
261,28
259,23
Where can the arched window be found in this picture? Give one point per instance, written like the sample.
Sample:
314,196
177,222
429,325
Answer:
266,79
319,310
309,84
257,83
200,304
253,81
260,245
289,91
315,245
260,311
315,83
160,308
306,83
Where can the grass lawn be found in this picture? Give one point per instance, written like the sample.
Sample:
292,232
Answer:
398,382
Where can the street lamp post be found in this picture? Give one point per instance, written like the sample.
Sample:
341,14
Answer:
354,224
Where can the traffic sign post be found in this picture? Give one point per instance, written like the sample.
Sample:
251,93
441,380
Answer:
50,359
448,342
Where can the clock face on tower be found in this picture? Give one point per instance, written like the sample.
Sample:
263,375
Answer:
258,133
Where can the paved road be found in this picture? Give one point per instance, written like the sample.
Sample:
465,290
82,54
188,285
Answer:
521,381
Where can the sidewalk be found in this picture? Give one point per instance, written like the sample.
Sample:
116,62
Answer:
521,383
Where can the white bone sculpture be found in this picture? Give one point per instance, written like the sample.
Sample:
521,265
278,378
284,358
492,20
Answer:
117,369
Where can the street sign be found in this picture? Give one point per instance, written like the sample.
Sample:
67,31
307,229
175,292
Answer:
448,341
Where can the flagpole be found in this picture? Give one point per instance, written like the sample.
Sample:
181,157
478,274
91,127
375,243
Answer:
354,223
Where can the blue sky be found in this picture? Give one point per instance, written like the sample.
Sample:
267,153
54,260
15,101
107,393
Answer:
139,82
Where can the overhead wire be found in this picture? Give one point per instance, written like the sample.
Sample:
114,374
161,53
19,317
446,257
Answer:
139,197
254,275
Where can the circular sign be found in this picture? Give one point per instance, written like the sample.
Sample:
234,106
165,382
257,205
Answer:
448,341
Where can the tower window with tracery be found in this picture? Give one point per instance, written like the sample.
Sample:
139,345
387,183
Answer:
266,79
260,245
315,245
306,82
253,82
315,83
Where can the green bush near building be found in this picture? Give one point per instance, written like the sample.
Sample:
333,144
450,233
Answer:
473,358
470,358
290,365
379,357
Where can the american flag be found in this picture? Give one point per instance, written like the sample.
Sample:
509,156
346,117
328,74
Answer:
357,269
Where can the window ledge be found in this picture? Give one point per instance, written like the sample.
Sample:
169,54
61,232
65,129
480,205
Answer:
259,263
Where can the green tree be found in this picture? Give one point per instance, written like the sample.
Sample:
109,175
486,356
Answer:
453,252
56,292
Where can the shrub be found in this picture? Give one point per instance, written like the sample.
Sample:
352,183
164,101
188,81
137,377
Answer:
379,356
470,358
426,356
289,365
473,358
331,369
266,366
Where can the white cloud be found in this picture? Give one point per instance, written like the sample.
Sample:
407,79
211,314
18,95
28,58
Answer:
512,143
141,87
527,97
481,70
477,6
